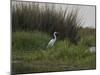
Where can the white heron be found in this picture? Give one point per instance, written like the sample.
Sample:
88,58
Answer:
52,41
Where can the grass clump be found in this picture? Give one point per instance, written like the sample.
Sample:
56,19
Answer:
32,16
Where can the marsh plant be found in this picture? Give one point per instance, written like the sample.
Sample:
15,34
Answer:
46,18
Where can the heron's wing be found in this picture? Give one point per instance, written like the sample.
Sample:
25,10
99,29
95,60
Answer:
51,42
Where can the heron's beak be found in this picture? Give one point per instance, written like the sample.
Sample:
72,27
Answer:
57,33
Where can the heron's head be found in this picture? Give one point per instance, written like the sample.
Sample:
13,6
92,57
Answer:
55,32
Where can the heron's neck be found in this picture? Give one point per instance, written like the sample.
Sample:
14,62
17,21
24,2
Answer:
54,36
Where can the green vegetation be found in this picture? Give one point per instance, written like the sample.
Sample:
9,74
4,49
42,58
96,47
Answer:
31,55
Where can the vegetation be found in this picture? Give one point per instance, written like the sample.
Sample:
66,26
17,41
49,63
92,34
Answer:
32,26
31,55
35,16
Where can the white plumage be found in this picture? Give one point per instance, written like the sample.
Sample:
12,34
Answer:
52,41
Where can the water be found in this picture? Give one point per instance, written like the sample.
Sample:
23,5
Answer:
92,49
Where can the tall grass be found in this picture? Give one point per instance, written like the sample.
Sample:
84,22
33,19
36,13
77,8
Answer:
45,17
